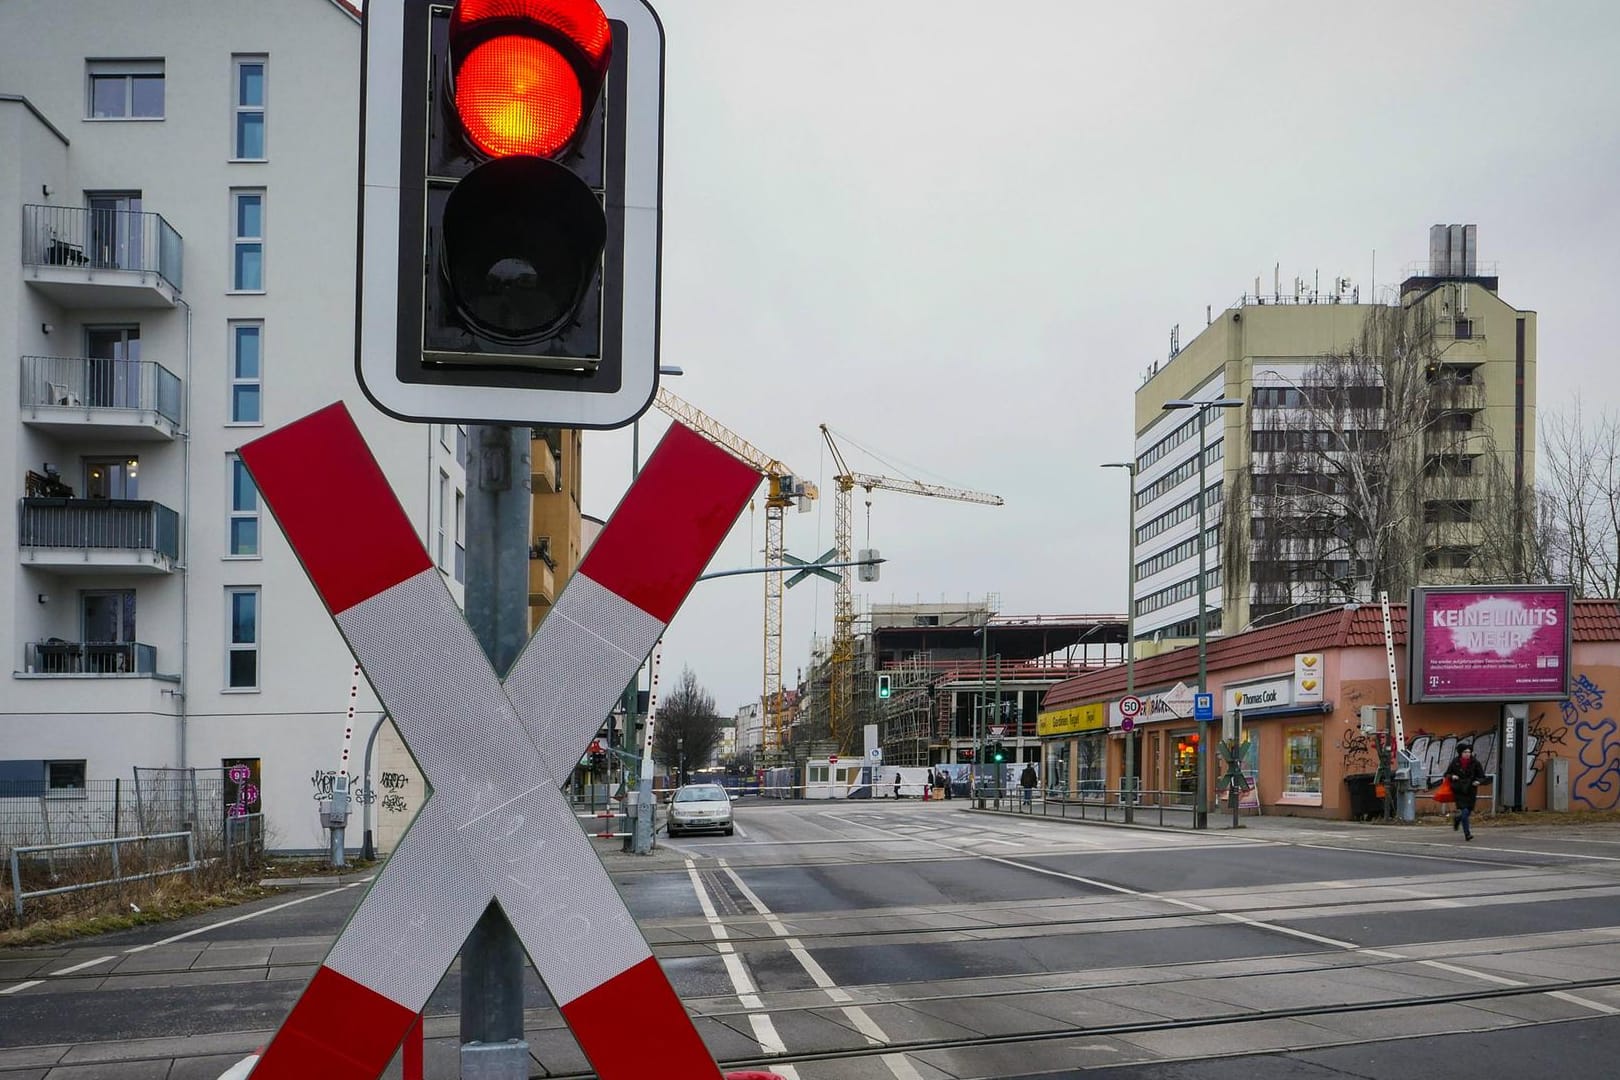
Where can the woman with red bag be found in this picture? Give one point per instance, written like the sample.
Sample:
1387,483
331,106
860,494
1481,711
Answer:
1465,774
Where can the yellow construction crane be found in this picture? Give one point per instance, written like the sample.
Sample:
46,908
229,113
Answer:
784,488
841,684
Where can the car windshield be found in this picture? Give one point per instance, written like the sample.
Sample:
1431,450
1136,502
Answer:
706,793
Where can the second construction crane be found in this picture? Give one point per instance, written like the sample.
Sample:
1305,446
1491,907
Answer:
784,488
842,661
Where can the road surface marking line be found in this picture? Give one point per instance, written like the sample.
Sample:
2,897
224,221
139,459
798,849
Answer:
1501,980
21,986
764,1029
245,918
857,1016
1587,1003
86,964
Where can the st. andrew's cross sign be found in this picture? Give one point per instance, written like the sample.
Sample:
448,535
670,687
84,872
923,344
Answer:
497,825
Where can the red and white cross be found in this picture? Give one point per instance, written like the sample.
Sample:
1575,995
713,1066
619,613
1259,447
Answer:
497,825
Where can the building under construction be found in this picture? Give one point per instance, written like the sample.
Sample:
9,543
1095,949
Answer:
958,674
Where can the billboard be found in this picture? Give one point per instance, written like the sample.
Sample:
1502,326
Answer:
1490,643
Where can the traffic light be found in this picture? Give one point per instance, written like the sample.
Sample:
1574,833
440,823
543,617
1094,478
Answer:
885,686
509,210
997,753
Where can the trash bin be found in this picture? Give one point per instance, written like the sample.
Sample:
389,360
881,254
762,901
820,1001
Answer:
1365,804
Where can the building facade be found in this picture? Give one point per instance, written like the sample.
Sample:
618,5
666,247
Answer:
177,250
1413,420
1311,698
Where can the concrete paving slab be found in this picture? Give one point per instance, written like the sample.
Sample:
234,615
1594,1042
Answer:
1537,1008
302,953
200,1068
1152,1002
217,956
292,973
162,979
1241,1038
997,1062
1083,1009
1403,1022
122,1070
162,958
981,1016
20,1057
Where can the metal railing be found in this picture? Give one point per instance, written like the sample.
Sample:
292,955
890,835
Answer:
95,383
58,657
1095,803
96,239
115,524
18,895
243,840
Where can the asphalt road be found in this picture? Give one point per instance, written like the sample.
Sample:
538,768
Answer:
915,941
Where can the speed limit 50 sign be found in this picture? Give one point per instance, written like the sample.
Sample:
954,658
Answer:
1130,707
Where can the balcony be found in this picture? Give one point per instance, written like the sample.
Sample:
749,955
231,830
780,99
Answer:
99,536
92,399
92,658
83,258
542,574
1453,395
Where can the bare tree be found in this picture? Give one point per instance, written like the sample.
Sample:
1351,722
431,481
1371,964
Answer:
1578,501
1335,505
686,731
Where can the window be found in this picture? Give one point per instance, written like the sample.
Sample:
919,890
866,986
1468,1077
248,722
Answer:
1302,763
444,516
248,138
461,445
247,244
242,651
243,540
1464,330
461,537
125,90
112,478
62,777
247,343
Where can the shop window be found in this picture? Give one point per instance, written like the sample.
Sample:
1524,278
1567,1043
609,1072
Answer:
1302,762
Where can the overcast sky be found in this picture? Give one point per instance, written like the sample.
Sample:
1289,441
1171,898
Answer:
958,232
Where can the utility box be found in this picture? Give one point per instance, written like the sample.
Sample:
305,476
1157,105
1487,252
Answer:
1558,785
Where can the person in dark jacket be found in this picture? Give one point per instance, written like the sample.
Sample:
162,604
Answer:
1027,780
1466,774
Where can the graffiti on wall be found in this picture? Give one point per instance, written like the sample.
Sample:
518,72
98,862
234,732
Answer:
1360,751
394,783
1596,780
1438,751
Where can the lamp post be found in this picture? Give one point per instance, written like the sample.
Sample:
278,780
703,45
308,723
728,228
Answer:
983,634
1201,809
1130,642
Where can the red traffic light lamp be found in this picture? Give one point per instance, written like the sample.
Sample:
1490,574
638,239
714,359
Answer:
510,210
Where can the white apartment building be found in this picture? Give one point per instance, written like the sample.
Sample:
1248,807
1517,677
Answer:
177,246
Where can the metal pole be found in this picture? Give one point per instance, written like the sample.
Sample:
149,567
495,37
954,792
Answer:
978,714
368,850
1201,811
1001,767
641,833
498,507
1130,651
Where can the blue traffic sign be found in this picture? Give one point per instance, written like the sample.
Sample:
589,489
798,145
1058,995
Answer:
1203,706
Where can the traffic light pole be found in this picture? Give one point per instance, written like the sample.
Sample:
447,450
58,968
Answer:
492,960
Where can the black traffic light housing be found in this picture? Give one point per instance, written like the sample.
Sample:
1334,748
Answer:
511,277
885,686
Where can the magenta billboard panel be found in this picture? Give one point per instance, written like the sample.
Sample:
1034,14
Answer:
1490,643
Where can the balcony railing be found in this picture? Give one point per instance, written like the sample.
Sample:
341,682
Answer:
112,524
79,237
58,657
93,383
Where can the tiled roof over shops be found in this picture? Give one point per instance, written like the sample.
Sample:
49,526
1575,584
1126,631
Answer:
1352,626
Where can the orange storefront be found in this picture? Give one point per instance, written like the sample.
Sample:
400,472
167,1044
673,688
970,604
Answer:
1300,691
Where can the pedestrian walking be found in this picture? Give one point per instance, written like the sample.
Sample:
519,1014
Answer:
942,788
928,785
1466,774
897,783
1027,780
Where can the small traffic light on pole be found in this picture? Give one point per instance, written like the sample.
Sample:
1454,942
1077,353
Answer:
510,210
997,754
885,686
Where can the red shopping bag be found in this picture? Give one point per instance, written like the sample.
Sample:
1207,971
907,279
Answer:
1443,793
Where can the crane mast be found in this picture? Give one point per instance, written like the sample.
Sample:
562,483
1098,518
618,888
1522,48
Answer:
841,684
783,489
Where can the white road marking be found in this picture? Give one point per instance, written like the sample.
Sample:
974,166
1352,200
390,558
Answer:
747,993
858,1017
86,964
245,918
1348,946
187,934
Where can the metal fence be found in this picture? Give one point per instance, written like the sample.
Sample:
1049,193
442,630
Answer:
153,801
1142,805
101,239
121,871
96,383
116,524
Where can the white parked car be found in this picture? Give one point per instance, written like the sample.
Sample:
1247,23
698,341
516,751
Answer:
697,807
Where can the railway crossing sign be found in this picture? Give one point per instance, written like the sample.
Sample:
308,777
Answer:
817,568
497,825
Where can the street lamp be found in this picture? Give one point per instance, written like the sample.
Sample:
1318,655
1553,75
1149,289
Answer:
1201,810
1130,640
